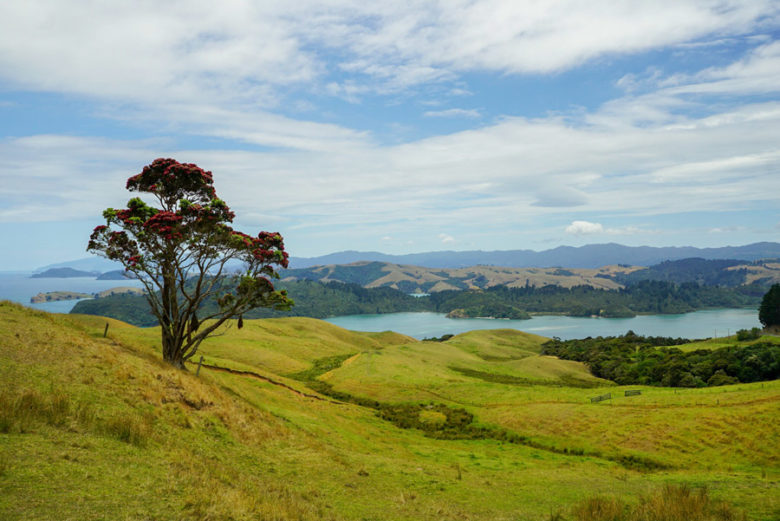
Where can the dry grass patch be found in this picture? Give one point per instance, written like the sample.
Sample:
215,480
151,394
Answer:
672,503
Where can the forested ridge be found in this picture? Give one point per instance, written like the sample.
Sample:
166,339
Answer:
317,300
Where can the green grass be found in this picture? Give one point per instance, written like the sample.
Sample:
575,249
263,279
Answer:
100,428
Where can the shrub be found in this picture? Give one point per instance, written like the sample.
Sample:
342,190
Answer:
748,334
721,378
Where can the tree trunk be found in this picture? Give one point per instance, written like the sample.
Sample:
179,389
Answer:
172,350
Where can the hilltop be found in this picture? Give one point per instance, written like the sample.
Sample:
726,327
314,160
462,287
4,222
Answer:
298,419
419,279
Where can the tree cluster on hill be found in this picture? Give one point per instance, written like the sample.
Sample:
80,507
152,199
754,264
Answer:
702,271
642,297
637,360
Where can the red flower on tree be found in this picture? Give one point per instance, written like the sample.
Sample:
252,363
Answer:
179,251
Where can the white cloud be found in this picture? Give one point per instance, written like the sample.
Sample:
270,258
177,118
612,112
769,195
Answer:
251,53
589,228
757,73
584,228
495,176
446,239
453,113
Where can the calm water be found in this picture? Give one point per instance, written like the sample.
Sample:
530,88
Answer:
700,324
19,287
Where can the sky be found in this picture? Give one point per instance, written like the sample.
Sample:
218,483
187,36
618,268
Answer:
398,127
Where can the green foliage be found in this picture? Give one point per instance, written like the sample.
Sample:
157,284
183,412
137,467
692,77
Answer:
490,310
321,366
132,309
633,359
744,335
769,312
700,271
642,297
442,338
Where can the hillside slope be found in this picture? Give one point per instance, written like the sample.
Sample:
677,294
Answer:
100,428
417,279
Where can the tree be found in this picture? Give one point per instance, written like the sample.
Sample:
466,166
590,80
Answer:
769,312
180,252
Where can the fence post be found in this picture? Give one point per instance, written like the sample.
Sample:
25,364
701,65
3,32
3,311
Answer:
200,362
105,331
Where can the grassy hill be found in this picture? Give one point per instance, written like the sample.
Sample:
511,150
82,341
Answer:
100,428
417,279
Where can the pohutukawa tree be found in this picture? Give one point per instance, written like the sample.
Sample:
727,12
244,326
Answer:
180,252
769,311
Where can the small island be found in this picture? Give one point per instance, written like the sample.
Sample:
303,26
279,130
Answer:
63,273
494,310
53,296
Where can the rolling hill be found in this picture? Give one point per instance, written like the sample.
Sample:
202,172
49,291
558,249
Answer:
418,279
298,419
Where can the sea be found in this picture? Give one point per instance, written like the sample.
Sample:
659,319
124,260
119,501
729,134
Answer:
20,287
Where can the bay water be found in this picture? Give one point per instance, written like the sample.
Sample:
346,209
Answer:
19,287
698,324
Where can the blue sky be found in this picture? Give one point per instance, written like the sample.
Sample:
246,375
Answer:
399,127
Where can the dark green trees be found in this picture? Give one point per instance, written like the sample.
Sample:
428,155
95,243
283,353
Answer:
769,312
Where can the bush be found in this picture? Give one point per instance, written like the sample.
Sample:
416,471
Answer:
721,378
748,334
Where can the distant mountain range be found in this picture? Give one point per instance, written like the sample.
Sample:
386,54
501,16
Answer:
591,256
